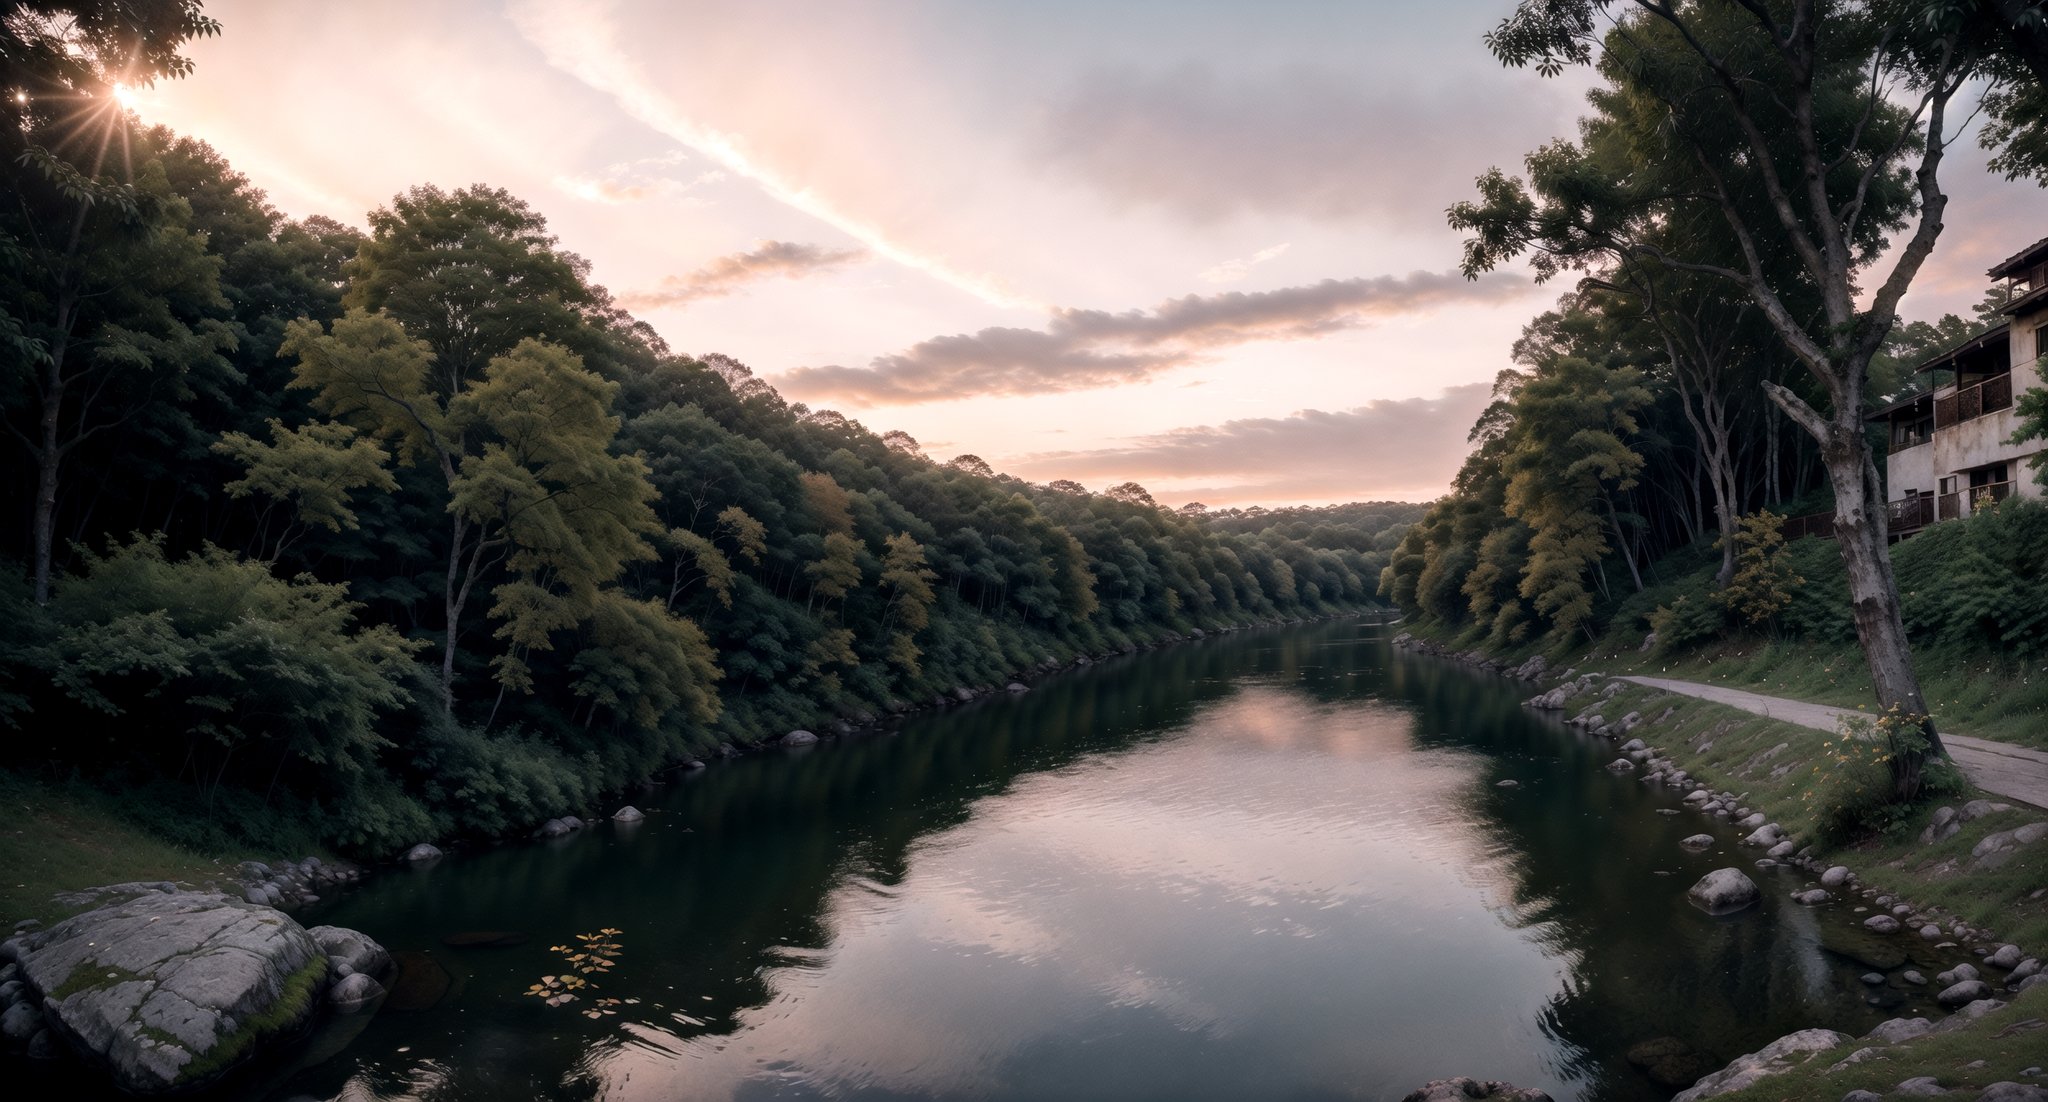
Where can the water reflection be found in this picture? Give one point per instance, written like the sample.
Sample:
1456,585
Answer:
1267,866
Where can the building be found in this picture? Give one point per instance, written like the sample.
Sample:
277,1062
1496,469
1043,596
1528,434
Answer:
1949,453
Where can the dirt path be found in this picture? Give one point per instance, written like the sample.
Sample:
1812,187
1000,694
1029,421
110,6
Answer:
2014,772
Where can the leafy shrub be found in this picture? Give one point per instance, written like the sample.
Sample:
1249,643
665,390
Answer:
1764,580
1851,794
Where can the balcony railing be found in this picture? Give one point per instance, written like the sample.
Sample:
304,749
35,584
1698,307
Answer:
1962,503
1908,514
1974,401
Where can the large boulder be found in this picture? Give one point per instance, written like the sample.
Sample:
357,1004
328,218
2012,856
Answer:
1724,891
170,990
1780,1055
1463,1088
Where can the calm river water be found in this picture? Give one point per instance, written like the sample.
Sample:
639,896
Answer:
1274,865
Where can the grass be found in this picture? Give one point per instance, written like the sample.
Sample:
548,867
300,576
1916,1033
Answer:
2008,1041
61,837
2001,699
1727,748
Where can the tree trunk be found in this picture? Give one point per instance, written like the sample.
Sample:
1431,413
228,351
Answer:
1860,533
45,531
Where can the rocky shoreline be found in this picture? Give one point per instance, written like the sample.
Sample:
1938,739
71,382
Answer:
1966,990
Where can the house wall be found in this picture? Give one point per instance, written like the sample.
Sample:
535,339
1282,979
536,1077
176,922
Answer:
1911,469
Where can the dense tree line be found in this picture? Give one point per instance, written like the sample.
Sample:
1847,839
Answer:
415,532
1753,192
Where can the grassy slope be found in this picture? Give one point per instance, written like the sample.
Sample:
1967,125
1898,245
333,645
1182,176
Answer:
2009,1041
64,837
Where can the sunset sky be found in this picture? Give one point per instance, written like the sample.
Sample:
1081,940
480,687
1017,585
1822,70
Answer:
1201,246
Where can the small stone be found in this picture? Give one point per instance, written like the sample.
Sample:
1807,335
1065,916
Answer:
1924,1085
1862,1096
354,992
423,852
1913,977
1873,978
1963,993
43,1046
1697,842
1882,924
1901,1029
1509,783
1835,877
628,814
1621,765
2015,1092
2006,957
1811,896
798,738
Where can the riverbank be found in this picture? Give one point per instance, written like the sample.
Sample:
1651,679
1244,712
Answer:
67,836
1953,867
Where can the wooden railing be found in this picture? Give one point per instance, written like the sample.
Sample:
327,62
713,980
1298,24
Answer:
1974,401
1821,525
1962,503
1908,514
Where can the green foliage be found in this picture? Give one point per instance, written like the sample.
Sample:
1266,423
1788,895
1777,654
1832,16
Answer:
1764,581
1851,796
210,660
1689,620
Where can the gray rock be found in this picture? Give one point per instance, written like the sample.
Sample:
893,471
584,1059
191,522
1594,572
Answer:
44,1046
349,951
1697,842
1634,743
1780,1055
2013,1092
798,738
1811,896
627,814
1881,924
2023,969
1912,977
11,992
1963,992
1873,978
1621,765
1922,1086
1835,877
1977,809
1016,687
1900,1029
1945,824
1463,1089
1862,1096
354,993
2006,957
1783,850
1724,891
20,1022
1767,835
1509,783
2031,982
1752,820
423,852
168,991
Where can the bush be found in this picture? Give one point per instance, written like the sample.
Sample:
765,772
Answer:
1851,794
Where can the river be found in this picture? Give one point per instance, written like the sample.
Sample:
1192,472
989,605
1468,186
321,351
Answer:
1272,865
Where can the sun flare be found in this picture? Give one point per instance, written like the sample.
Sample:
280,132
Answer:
125,96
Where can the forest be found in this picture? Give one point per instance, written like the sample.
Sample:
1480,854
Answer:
410,532
1752,193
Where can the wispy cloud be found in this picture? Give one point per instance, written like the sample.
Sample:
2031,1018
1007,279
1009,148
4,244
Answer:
1207,145
582,41
1392,448
638,180
1230,271
1085,349
729,273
